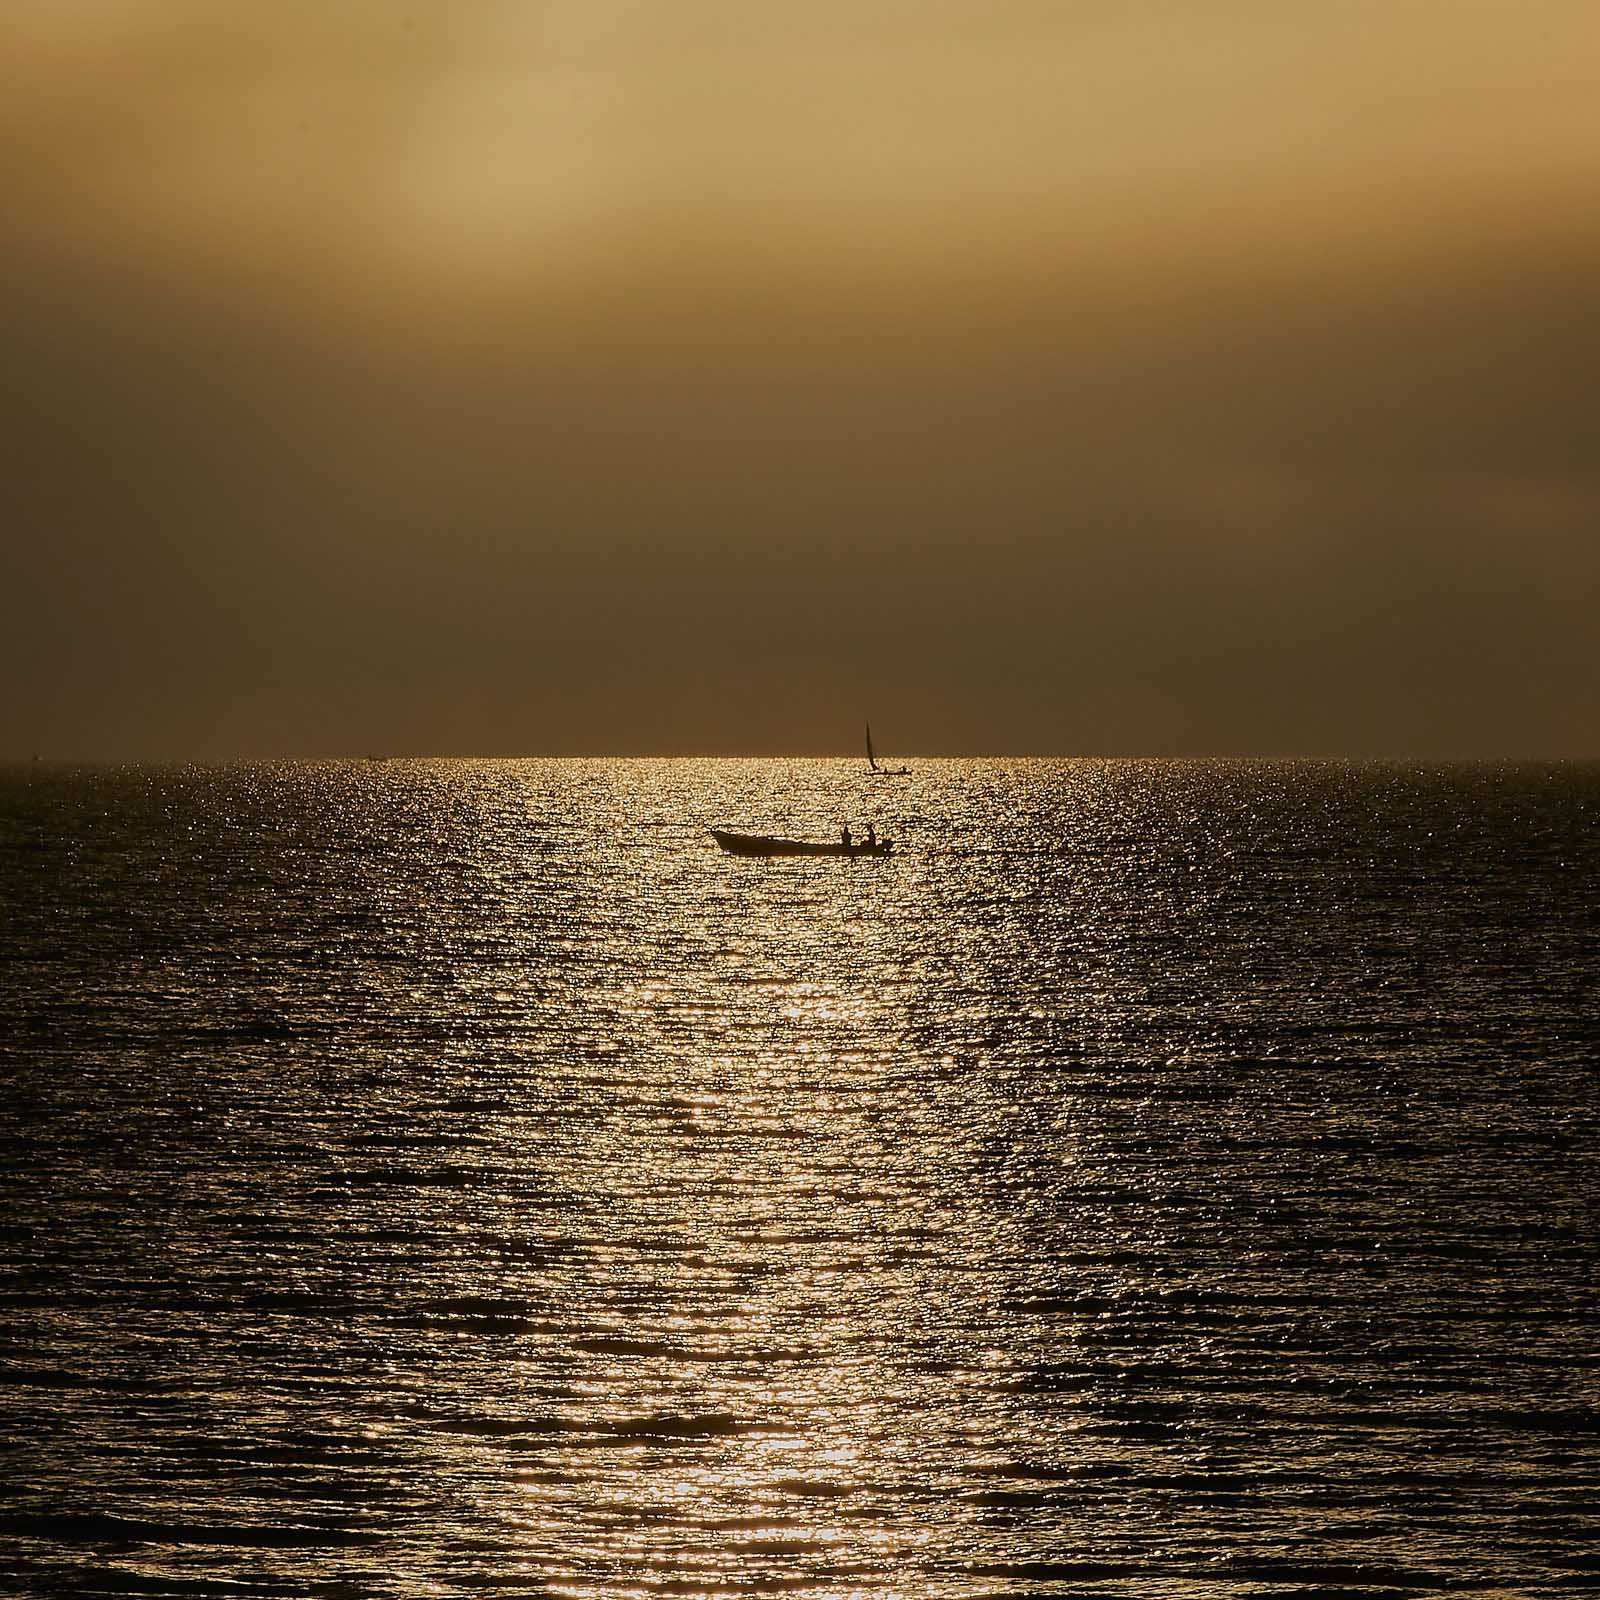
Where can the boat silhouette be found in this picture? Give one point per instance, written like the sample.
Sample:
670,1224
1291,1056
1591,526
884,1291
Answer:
872,761
761,844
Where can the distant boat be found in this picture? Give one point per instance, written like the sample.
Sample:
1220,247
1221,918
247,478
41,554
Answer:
872,761
761,844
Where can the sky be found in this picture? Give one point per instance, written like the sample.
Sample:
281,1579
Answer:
1160,377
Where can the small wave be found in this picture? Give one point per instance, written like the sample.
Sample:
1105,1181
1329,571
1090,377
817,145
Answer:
1367,1576
703,1425
624,1347
813,1488
502,1427
1054,1571
99,1527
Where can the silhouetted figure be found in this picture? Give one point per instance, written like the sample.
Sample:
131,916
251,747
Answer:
844,835
872,837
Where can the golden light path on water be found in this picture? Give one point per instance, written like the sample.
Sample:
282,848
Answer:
1153,1180
793,1031
770,1157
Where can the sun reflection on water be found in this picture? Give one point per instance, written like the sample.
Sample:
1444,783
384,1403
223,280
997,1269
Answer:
497,1183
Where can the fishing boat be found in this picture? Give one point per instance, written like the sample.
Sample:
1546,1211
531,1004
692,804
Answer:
872,761
761,844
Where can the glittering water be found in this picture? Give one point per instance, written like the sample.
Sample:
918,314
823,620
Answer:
1158,1180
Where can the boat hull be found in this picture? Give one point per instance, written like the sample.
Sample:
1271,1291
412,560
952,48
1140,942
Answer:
760,844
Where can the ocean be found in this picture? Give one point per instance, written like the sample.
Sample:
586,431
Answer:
1165,1180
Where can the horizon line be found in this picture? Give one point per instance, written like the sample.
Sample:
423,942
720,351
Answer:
240,758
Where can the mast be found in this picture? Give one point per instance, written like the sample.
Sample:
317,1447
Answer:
872,760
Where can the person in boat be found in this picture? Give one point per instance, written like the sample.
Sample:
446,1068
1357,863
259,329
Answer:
872,837
844,836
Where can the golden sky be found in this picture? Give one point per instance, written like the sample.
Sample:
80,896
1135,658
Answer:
1165,377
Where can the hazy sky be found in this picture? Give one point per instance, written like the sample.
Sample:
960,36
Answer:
473,376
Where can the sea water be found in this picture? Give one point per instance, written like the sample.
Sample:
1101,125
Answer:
1154,1179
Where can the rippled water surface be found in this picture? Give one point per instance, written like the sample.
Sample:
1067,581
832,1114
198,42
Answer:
1169,1180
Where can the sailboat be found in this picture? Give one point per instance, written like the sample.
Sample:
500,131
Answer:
872,761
